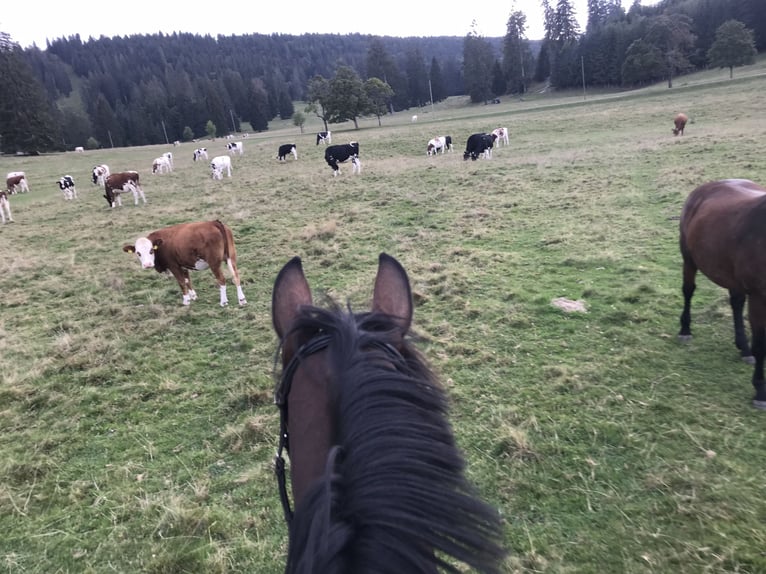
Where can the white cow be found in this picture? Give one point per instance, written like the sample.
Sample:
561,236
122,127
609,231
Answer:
200,153
169,156
161,165
439,144
415,118
79,148
501,136
100,173
235,148
217,166
5,206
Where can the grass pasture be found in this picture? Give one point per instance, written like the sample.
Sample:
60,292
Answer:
136,435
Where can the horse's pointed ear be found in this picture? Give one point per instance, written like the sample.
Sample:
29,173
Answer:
291,292
392,294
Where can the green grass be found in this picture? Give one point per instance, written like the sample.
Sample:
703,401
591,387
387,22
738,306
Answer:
136,435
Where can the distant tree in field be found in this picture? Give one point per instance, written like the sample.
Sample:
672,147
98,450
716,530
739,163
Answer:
643,64
518,62
26,123
734,46
92,143
317,95
286,108
347,99
299,120
478,61
499,85
379,95
210,129
381,65
438,91
672,35
188,134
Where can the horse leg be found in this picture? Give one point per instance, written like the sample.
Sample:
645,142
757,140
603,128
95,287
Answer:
737,301
689,273
757,312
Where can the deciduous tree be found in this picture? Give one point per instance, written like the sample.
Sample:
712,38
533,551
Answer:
734,46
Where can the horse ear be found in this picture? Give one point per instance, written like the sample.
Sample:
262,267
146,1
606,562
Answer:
392,294
291,292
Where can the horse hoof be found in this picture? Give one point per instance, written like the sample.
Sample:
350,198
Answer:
684,338
759,404
749,359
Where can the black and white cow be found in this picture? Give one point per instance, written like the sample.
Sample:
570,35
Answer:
235,148
66,185
200,153
100,173
285,150
325,137
478,145
335,154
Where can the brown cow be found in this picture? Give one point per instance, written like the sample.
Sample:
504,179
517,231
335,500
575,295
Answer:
680,123
190,246
118,183
16,179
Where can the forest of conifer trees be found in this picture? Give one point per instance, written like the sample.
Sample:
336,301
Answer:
149,89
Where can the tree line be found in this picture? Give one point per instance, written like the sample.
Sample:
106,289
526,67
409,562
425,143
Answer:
150,89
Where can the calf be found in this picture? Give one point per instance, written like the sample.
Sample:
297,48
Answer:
217,166
285,150
161,165
5,206
335,154
324,137
680,123
478,145
100,173
235,148
118,183
16,182
199,153
66,185
185,247
501,135
439,144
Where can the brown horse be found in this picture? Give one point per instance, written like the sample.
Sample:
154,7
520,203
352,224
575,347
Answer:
377,479
723,234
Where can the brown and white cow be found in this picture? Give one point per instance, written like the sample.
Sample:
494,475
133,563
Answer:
118,183
186,247
5,206
680,123
16,182
501,136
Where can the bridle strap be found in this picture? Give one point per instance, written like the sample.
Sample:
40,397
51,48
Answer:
282,391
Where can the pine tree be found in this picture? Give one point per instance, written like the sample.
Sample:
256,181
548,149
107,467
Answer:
517,57
477,67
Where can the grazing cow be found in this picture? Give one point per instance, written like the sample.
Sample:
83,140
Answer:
439,144
414,118
5,207
285,150
118,183
478,145
335,154
217,166
66,185
324,137
680,123
16,182
235,148
161,165
186,247
79,148
100,173
200,153
501,136
176,143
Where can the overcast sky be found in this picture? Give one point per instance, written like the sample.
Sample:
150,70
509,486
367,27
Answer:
34,22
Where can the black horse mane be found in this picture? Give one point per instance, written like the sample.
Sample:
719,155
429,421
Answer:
393,491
